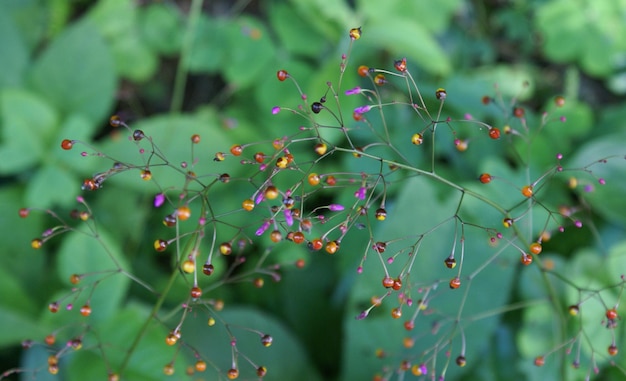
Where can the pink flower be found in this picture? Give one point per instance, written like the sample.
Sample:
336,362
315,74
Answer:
336,207
360,194
353,91
159,200
362,109
275,110
288,217
262,228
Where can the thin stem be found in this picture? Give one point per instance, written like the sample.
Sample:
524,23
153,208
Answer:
180,80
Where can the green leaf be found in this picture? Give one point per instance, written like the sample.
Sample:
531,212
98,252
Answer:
76,72
161,27
13,53
608,199
17,309
52,185
295,32
100,258
28,122
208,51
434,17
570,34
404,38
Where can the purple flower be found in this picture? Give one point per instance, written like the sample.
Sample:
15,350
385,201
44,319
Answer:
159,200
362,109
423,369
362,315
356,90
360,194
263,228
259,198
275,110
288,217
336,207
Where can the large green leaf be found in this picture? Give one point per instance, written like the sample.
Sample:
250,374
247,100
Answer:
13,53
416,211
76,72
28,122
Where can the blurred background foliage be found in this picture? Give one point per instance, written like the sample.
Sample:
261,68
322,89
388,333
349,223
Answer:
174,68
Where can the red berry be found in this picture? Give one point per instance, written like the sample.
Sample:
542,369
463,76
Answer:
485,178
540,361
400,65
195,138
53,307
298,237
388,282
526,259
282,75
518,112
316,244
196,292
397,284
612,350
330,180
486,99
67,144
259,157
409,325
494,133
611,314
208,269
24,212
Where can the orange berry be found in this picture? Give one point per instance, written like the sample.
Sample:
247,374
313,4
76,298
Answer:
526,259
195,138
396,313
535,248
168,369
85,310
408,342
183,213
316,244
298,237
380,80
200,366
397,284
455,282
74,279
527,191
332,247
612,350
259,157
232,374
171,339
236,150
146,175
314,179
363,71
276,236
247,204
271,192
